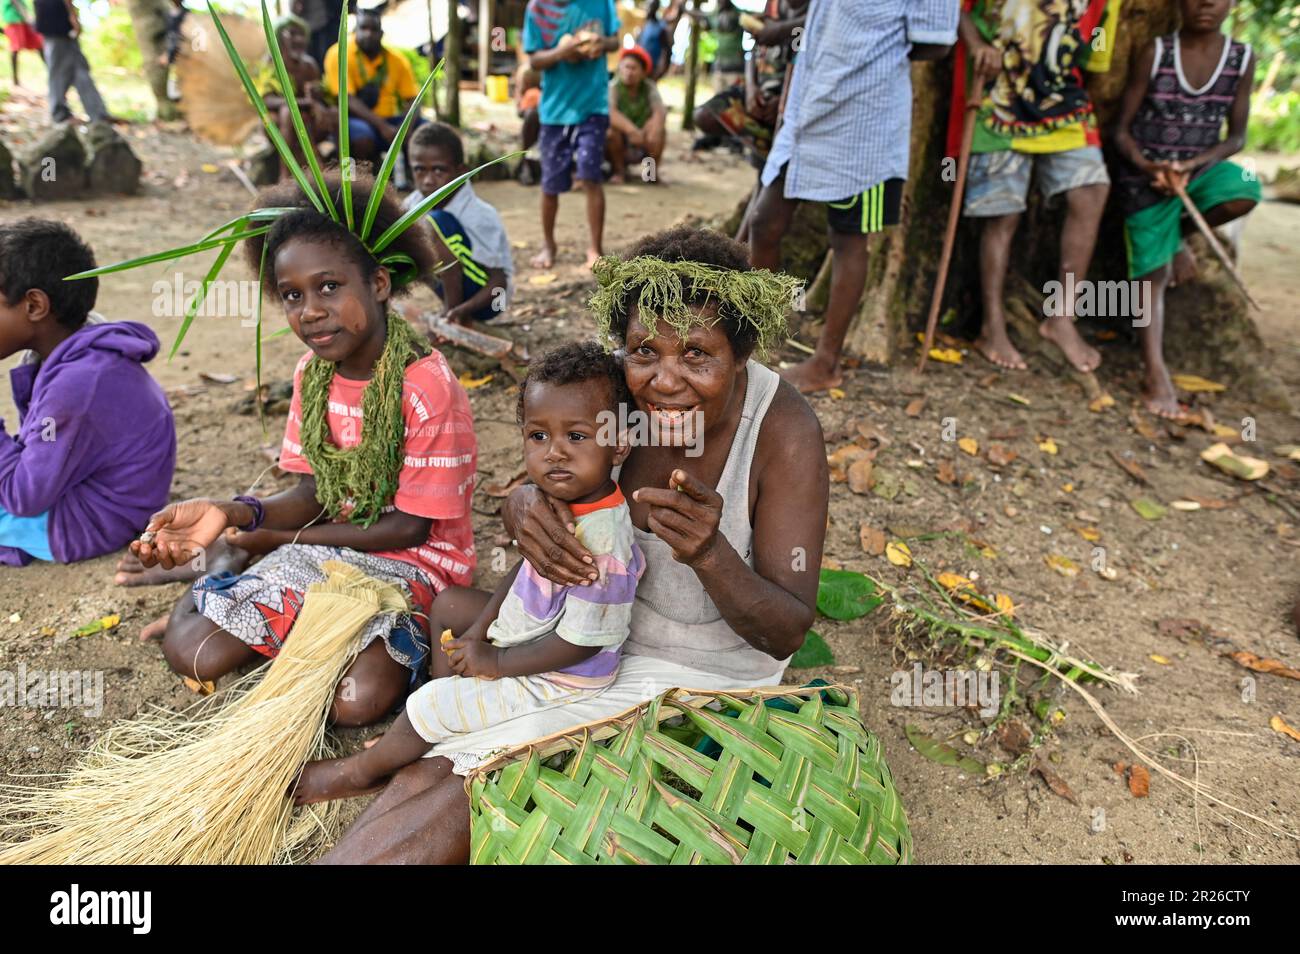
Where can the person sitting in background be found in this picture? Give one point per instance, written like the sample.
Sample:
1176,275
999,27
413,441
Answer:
291,34
381,86
19,34
747,111
469,235
638,119
95,447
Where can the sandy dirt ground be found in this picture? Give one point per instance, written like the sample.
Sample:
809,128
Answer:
1233,569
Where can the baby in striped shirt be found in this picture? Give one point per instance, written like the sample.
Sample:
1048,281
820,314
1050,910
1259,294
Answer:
534,644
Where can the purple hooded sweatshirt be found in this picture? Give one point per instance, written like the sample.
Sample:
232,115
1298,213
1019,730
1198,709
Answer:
96,445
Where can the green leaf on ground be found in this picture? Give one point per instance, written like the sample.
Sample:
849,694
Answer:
1149,509
845,594
937,751
813,653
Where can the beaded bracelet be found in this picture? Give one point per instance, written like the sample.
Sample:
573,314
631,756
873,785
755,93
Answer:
259,512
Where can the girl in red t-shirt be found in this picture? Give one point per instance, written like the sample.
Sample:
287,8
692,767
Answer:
382,434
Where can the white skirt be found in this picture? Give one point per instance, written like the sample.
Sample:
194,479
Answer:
639,678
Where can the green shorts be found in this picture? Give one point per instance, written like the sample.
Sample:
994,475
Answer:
1152,236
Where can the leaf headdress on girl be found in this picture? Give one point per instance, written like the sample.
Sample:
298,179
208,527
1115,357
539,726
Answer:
357,482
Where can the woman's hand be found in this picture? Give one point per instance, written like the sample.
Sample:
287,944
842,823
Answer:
686,517
543,529
182,531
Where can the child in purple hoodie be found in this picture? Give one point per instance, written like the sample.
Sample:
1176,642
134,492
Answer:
95,448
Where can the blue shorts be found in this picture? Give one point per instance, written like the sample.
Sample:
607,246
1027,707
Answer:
361,132
562,145
997,183
29,534
474,276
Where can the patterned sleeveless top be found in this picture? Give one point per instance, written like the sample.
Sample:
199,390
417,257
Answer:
1176,122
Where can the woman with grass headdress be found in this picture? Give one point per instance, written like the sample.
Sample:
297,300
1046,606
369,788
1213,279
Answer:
382,434
728,499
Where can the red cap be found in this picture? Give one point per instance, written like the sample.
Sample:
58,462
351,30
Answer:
641,54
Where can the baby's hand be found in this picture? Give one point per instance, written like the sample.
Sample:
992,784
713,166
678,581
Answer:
470,656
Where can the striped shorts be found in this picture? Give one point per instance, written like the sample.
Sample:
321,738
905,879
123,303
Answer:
869,211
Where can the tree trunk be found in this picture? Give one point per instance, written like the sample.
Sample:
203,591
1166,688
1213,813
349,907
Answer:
1213,334
149,20
451,51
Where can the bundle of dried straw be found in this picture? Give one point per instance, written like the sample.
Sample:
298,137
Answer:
207,786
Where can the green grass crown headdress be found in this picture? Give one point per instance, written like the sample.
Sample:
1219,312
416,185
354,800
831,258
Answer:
672,292
311,181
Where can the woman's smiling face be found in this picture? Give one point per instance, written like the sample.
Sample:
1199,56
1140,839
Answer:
676,379
327,299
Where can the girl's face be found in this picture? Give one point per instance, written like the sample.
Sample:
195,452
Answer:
329,302
676,381
1205,14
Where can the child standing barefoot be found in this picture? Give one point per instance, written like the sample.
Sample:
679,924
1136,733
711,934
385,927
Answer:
1184,87
382,434
567,42
533,644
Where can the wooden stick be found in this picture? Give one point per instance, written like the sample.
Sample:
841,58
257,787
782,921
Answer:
973,101
1219,251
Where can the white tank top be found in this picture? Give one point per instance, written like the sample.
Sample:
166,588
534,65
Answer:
673,618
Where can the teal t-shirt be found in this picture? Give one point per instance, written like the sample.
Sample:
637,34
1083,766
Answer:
571,92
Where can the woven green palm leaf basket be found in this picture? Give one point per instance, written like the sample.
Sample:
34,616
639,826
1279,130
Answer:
760,777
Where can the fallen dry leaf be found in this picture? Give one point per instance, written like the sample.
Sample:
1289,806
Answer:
1062,564
1091,534
1101,402
1162,660
1195,384
1047,446
859,475
1277,725
999,455
1139,781
1210,503
543,279
1132,468
872,540
469,382
945,355
988,380
915,407
946,473
1056,783
840,461
205,688
969,445
898,553
1233,464
1014,736
837,394
1259,664
1185,505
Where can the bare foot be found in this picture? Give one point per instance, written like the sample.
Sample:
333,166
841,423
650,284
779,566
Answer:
328,779
592,255
543,259
998,350
1184,266
1060,331
1161,399
617,178
220,556
154,630
813,375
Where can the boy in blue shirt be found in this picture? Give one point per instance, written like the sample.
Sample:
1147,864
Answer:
567,41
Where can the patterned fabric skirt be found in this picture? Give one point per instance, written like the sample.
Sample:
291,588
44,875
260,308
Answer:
259,606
